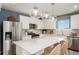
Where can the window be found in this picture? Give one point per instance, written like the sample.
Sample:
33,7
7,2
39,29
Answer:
63,23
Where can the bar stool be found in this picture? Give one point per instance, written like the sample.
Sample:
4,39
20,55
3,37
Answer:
56,50
64,48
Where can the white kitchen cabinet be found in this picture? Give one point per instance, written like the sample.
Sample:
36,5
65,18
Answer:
45,24
37,22
48,24
75,21
24,22
21,51
41,24
30,20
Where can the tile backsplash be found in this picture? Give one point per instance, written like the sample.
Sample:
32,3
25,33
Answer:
66,32
41,31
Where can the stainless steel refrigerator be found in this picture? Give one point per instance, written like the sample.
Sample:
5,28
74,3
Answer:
11,32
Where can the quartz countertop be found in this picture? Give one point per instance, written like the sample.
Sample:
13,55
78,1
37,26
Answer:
35,45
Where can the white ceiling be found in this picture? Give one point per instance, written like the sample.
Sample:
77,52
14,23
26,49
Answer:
54,10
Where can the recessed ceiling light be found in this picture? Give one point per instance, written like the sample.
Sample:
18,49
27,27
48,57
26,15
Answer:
52,3
75,6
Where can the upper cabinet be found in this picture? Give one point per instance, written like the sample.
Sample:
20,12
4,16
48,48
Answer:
40,24
26,21
75,21
36,21
48,24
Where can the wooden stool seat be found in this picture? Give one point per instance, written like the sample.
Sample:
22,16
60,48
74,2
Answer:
53,51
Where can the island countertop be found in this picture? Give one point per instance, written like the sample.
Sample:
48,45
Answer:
35,45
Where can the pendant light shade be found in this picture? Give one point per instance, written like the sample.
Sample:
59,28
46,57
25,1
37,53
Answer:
35,11
46,15
53,18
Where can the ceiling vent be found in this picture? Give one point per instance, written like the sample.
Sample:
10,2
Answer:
52,3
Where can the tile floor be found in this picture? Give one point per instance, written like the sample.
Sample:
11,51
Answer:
74,52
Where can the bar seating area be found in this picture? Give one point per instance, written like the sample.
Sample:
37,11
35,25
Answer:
60,48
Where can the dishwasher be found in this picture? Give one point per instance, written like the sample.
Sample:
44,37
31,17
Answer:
75,43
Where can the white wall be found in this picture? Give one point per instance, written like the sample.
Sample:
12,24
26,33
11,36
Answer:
75,21
24,22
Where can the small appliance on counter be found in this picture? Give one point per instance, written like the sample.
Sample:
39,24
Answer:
33,35
44,31
32,26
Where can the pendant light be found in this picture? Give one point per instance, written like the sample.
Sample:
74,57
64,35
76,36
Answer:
35,11
46,15
52,17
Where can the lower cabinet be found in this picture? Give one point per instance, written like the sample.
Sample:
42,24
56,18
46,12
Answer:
21,51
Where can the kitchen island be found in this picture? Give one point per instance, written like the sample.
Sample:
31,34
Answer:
34,46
